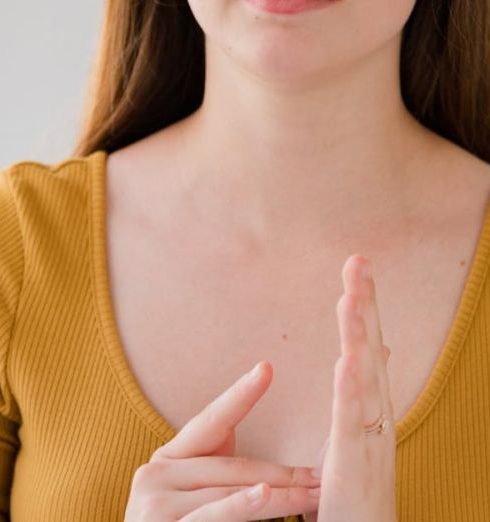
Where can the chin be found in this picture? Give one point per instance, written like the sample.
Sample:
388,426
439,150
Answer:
283,48
297,49
286,58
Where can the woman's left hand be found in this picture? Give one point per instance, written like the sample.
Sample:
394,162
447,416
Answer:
358,471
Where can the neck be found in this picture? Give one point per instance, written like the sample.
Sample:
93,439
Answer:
333,151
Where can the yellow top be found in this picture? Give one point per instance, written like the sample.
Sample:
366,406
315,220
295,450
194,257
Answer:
75,425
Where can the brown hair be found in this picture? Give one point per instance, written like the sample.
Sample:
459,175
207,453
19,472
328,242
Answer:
149,72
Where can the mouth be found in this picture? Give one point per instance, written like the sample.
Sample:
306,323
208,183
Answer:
289,6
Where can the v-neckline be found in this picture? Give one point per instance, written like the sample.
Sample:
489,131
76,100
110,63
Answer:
157,423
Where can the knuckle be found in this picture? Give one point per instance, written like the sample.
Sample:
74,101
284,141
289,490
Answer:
159,454
151,507
146,473
141,473
381,354
170,516
351,300
292,475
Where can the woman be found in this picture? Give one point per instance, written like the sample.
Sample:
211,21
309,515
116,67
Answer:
241,163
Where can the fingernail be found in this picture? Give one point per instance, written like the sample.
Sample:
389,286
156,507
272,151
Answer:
255,493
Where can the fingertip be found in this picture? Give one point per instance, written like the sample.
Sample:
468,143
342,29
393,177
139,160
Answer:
266,490
266,364
264,371
350,264
258,495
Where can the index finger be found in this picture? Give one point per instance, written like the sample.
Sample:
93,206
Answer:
209,429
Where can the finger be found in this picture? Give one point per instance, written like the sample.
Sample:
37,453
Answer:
376,446
282,501
228,446
238,507
357,276
373,326
347,447
355,281
210,428
354,341
344,471
200,472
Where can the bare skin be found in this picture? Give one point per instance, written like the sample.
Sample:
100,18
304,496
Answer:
228,230
186,281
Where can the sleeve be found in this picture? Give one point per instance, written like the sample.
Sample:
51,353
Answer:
11,277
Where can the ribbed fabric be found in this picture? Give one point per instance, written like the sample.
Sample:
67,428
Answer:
74,424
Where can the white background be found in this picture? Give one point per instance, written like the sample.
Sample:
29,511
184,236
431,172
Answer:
46,50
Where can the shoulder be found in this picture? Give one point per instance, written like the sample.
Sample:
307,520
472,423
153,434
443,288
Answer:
44,221
39,192
70,168
457,192
38,204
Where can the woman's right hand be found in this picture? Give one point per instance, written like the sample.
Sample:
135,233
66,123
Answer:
195,477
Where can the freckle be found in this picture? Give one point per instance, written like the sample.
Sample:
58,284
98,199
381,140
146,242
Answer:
285,337
462,262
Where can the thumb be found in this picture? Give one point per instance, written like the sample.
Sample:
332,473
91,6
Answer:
210,429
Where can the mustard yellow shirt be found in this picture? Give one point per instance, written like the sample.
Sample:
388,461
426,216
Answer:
75,425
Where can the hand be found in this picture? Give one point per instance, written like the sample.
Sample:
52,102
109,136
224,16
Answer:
195,477
358,473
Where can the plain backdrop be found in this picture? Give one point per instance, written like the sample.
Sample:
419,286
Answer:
46,50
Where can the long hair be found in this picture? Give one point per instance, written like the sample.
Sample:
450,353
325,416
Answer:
150,67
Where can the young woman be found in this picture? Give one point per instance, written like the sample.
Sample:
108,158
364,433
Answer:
242,163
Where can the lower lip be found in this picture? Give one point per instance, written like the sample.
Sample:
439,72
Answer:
289,6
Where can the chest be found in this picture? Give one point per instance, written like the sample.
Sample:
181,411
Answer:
192,320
